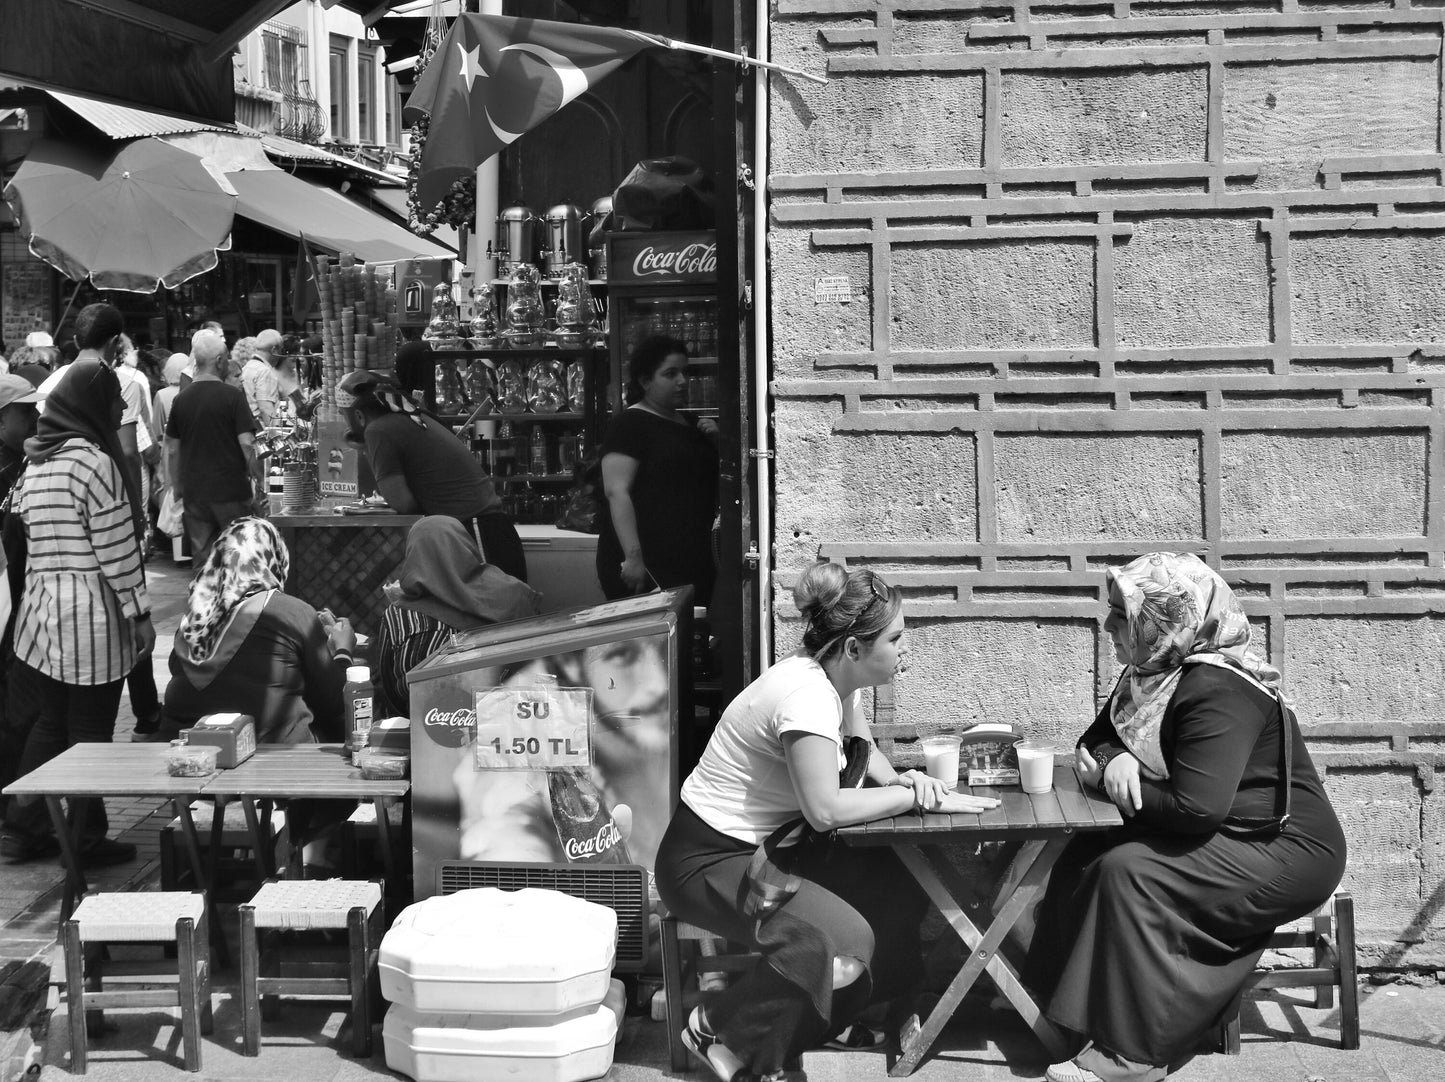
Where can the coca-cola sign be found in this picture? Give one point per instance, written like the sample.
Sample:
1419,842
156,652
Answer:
588,850
450,728
663,258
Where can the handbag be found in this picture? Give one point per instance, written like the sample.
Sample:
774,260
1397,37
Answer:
767,884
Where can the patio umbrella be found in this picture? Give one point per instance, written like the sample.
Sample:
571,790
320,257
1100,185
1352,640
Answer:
148,214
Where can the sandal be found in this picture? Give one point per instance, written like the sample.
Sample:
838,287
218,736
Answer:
708,1050
855,1038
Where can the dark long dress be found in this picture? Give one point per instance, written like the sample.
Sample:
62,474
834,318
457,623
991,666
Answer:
1147,934
674,496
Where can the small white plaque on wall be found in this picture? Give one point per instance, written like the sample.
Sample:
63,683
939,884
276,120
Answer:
834,289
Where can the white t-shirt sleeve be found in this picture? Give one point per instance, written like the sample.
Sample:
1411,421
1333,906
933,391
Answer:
810,709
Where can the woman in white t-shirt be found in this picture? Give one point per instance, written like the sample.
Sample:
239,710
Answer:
849,936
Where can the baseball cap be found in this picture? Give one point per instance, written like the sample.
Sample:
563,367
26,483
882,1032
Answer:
15,389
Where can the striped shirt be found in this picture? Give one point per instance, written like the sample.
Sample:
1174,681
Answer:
85,580
406,639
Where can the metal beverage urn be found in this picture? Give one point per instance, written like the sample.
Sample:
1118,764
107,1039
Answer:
565,243
597,256
516,239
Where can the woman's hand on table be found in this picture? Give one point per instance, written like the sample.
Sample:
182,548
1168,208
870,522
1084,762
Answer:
342,636
1121,783
956,803
927,791
1090,772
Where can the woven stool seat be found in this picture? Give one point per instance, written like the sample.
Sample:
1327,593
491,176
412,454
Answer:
297,905
174,917
147,917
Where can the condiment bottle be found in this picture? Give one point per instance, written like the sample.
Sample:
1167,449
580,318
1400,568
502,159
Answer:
359,696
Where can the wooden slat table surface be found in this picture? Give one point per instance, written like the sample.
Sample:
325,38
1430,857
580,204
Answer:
1044,824
301,772
106,770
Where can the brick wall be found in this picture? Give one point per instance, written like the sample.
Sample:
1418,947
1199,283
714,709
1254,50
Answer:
1130,276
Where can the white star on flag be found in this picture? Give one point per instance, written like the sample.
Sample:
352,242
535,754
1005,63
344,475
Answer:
471,64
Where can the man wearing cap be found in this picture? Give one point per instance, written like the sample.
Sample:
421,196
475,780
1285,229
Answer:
258,377
210,448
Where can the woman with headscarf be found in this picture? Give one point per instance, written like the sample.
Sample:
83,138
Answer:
161,408
421,468
442,586
84,618
1147,934
247,646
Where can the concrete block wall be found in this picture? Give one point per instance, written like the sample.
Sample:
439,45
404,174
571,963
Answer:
1125,276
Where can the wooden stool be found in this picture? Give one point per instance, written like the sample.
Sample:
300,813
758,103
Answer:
310,905
164,917
1334,950
237,860
708,960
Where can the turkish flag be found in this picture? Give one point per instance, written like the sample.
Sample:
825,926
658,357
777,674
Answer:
496,77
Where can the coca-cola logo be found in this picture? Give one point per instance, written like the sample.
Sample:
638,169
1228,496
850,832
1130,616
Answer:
450,728
589,849
696,258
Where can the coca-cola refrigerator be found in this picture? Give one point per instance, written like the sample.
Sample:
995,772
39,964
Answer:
551,740
665,283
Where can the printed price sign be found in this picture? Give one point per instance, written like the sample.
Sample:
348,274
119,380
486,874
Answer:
533,728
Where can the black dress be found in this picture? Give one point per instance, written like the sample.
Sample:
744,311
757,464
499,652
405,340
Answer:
1147,934
674,497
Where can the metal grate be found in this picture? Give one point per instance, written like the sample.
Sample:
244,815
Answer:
620,887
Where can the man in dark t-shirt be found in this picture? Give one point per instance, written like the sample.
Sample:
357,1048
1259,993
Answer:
210,448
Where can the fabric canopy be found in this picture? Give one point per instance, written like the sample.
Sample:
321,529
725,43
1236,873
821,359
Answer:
394,200
328,219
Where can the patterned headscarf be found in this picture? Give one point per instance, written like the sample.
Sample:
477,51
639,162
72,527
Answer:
1178,611
248,558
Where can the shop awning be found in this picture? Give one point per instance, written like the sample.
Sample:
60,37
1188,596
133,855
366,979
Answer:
329,220
308,154
124,122
394,200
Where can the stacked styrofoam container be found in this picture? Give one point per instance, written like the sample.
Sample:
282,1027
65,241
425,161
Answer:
501,984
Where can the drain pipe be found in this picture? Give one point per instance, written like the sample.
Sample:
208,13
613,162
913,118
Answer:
762,453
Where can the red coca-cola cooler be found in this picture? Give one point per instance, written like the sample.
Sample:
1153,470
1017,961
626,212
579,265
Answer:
549,743
666,283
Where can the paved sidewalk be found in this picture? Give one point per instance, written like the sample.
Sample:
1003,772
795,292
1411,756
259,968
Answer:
1284,1039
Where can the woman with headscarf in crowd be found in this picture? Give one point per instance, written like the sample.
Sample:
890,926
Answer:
1147,933
421,468
84,618
246,645
442,586
161,407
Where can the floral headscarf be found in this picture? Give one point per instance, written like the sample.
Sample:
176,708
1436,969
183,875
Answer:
248,558
1178,612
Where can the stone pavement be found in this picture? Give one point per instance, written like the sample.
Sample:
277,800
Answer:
1284,1038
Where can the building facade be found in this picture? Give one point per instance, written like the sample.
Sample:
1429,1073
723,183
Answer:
1053,286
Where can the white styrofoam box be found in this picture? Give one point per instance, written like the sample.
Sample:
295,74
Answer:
523,952
447,1047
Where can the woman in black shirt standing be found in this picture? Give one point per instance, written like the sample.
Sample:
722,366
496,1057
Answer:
660,475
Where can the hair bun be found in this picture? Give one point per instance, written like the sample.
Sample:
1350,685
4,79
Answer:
820,589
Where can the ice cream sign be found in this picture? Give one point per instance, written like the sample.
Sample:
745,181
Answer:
533,728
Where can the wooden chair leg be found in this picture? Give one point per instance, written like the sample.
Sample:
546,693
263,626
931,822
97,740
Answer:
1325,944
672,993
250,974
270,966
203,949
359,948
95,956
188,966
75,994
1229,1038
1349,975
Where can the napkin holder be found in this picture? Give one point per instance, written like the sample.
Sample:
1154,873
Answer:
391,734
986,754
233,735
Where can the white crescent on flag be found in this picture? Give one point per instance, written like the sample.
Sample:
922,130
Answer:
574,82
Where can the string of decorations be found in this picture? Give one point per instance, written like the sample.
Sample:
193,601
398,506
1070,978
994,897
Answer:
458,208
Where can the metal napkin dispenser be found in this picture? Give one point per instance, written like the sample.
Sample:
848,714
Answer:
234,735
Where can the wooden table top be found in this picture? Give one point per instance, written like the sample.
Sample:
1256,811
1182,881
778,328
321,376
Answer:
301,771
282,770
1068,807
106,770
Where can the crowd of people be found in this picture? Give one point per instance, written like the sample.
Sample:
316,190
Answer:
1146,933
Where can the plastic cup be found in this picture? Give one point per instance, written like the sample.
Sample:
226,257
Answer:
940,757
1036,765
